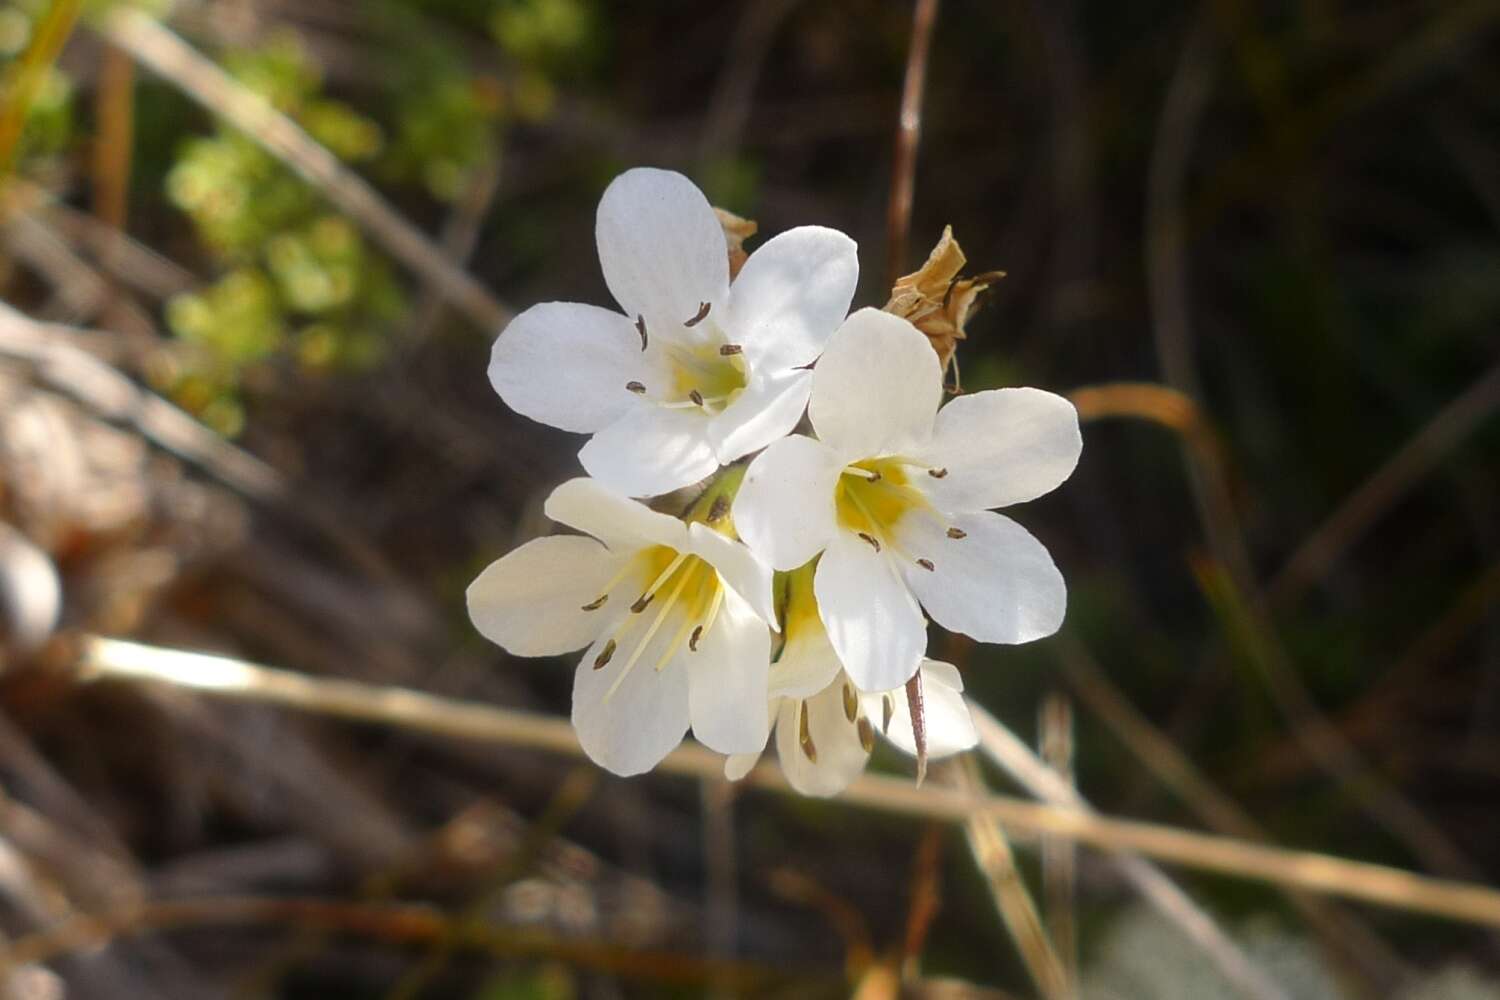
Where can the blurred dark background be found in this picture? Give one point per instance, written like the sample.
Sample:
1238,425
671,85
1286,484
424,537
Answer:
1259,243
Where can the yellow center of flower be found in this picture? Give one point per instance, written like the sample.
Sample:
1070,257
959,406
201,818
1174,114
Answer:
703,375
683,594
873,496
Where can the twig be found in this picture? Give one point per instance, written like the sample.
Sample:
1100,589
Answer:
1386,486
120,660
1059,857
1325,743
1017,760
908,135
1237,587
992,854
23,76
1355,942
159,49
114,104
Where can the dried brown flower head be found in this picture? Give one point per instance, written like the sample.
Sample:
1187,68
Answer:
938,302
736,232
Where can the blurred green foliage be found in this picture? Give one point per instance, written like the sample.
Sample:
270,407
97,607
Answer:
300,284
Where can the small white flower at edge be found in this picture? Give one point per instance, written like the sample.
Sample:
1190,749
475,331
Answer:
695,372
896,495
826,727
674,616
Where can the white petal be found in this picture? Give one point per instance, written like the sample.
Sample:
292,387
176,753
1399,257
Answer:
531,600
629,731
790,296
661,248
737,765
876,387
651,451
837,754
873,621
768,409
949,727
566,365
623,524
1002,446
806,666
737,565
996,584
727,680
785,507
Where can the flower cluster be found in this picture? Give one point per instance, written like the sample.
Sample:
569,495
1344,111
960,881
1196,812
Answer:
790,592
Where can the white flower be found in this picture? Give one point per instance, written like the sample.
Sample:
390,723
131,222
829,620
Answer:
695,372
895,494
826,726
674,614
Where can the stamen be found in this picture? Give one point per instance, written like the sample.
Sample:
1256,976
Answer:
871,539
708,619
650,592
730,350
957,533
887,710
676,642
926,564
718,509
703,308
640,325
691,403
866,735
604,655
867,474
656,624
598,602
696,397
851,704
804,735
636,387
937,473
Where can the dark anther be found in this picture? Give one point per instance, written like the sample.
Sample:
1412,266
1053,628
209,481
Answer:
937,473
640,325
703,308
729,350
603,657
871,539
636,387
866,734
804,736
851,704
926,564
596,603
696,397
693,639
957,533
641,602
887,709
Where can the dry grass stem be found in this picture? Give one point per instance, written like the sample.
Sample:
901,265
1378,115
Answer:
1014,757
119,660
908,137
996,862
